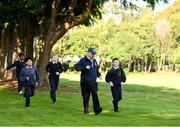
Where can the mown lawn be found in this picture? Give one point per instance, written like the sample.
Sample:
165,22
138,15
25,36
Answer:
141,105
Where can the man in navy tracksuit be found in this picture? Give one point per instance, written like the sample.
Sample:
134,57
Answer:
89,73
114,77
19,64
29,77
54,69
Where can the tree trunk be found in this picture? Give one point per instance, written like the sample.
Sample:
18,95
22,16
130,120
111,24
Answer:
10,51
30,37
43,60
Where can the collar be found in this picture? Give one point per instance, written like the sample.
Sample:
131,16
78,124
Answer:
54,62
28,67
90,59
116,68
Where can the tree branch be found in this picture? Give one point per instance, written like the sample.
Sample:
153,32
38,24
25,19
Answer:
68,25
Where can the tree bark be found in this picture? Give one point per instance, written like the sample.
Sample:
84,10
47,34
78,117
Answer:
53,35
30,37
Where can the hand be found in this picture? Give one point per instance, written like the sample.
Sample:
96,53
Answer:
36,83
111,84
48,73
57,73
88,67
27,78
100,77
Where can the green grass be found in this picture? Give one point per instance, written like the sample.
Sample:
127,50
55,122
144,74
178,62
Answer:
141,105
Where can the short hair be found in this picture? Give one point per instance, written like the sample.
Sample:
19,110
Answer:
115,59
21,54
28,58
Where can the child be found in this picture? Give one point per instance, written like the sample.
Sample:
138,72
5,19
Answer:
114,77
53,69
29,76
19,64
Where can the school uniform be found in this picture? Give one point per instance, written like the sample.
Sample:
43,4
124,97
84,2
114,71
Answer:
88,83
52,68
19,65
116,75
29,85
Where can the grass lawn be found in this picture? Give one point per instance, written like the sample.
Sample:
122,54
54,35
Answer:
142,104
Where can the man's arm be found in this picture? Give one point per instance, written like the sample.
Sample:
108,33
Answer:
80,66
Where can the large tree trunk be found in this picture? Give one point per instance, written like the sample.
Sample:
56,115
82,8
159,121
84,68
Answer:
30,37
10,51
54,34
43,60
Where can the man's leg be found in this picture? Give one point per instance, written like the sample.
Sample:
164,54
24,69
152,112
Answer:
96,105
85,95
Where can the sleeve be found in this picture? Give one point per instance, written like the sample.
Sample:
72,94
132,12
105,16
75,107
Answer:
48,68
11,66
60,68
22,75
107,78
98,73
123,75
80,66
37,75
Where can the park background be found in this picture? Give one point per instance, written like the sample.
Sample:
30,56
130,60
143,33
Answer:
144,35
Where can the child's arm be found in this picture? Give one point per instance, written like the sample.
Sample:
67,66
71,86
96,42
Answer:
60,68
47,68
23,75
11,66
37,75
123,75
107,78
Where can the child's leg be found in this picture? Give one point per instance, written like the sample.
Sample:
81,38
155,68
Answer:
53,88
19,84
56,83
115,95
27,95
32,90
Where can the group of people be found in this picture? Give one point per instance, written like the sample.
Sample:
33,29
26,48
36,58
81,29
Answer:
28,77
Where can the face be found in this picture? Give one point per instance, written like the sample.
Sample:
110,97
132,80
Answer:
21,57
116,63
55,58
29,63
90,55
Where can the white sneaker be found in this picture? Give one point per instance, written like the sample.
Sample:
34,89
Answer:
20,92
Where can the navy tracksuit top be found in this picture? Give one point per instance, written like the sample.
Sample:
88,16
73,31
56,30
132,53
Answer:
32,73
88,75
116,76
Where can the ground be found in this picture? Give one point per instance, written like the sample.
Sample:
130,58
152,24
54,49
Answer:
148,99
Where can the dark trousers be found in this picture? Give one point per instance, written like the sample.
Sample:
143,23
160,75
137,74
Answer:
20,85
117,95
86,90
29,92
54,83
